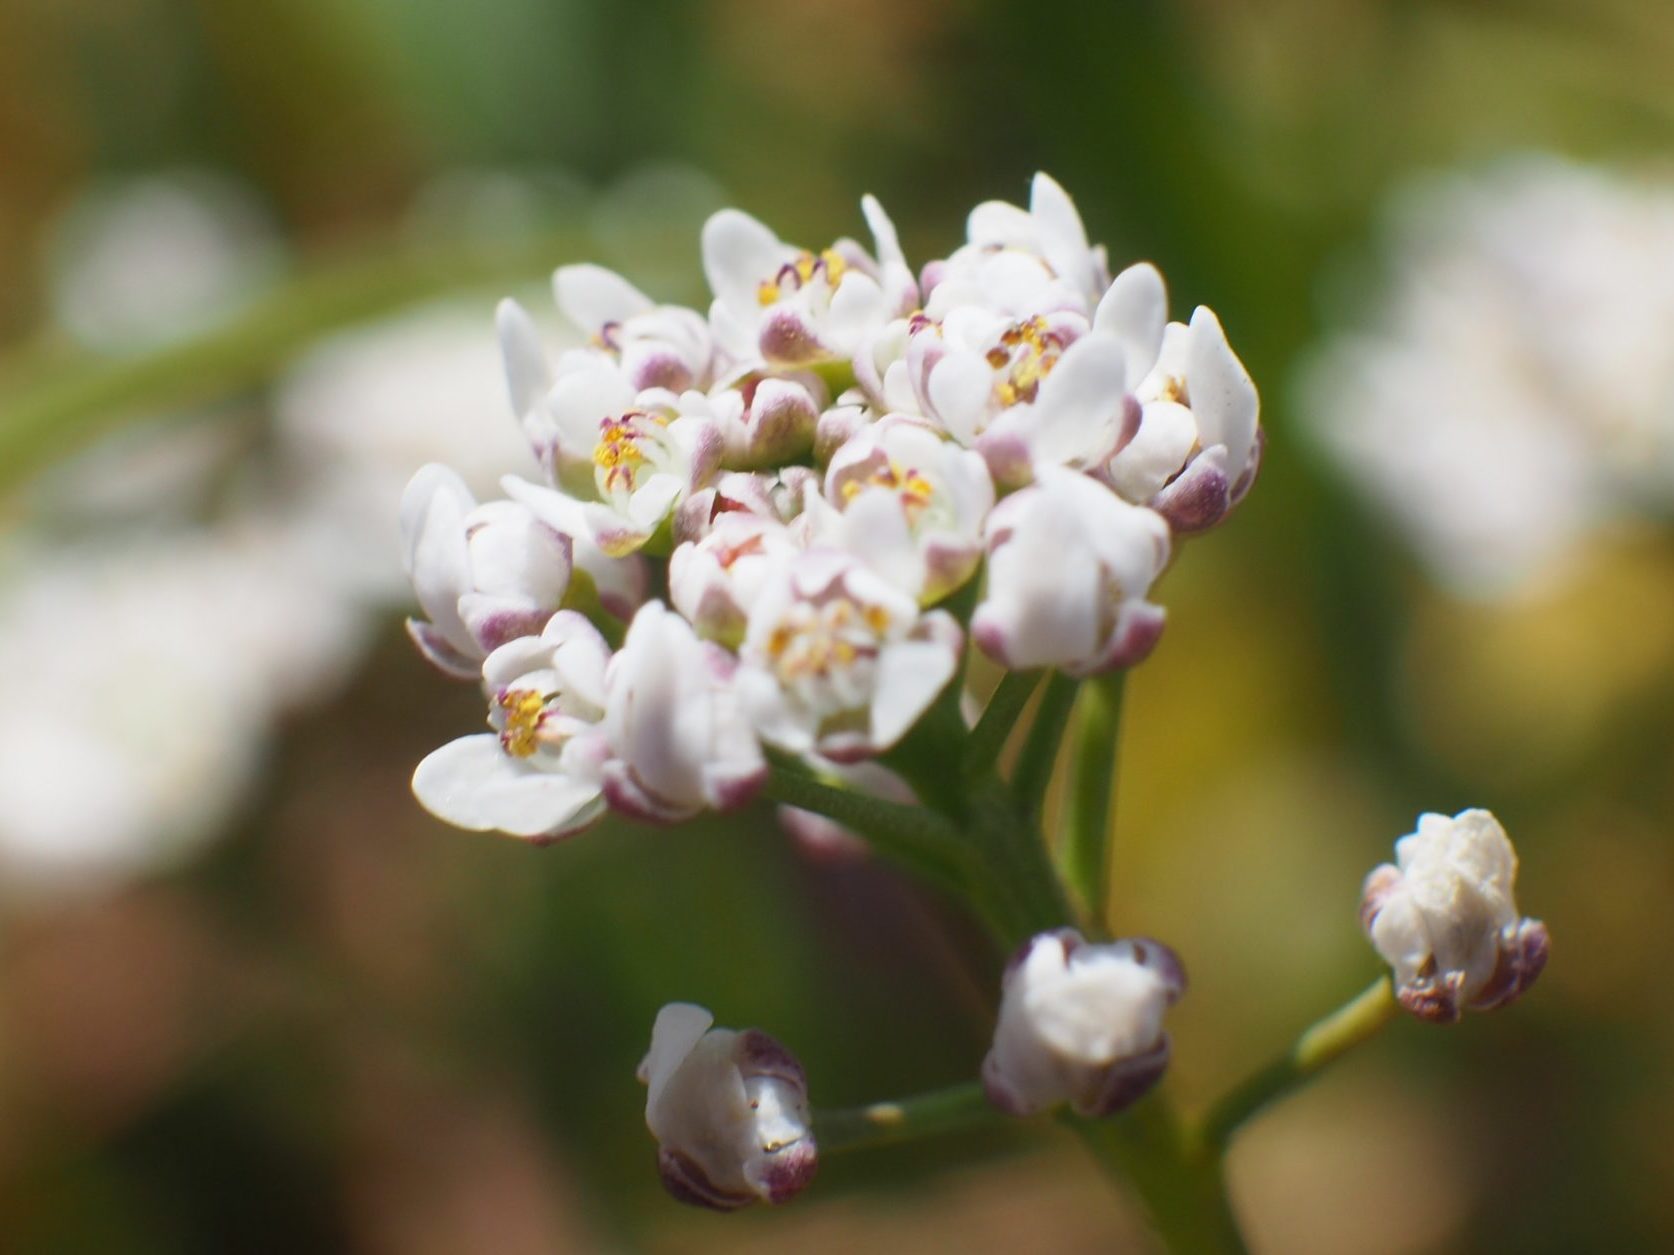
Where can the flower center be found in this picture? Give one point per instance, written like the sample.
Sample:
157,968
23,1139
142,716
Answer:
815,642
916,492
804,269
625,444
523,710
1027,352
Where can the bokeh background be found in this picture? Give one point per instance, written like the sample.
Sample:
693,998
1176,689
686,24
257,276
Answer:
252,999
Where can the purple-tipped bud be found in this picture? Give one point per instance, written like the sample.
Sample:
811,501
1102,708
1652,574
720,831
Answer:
1443,918
1082,1024
729,1111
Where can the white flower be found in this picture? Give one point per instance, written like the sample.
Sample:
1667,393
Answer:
631,456
839,662
790,307
143,261
1069,566
1198,444
714,581
910,504
1019,262
657,346
1443,917
539,774
483,574
1512,392
1081,1024
139,685
680,741
729,1110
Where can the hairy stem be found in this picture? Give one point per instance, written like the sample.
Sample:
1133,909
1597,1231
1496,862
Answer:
1089,813
1356,1021
924,1115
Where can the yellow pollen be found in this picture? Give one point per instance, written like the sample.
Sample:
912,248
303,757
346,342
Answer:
1032,349
915,490
524,710
1173,389
877,618
803,270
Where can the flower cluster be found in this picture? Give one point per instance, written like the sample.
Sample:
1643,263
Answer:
833,478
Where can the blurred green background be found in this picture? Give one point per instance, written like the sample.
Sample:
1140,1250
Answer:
343,1027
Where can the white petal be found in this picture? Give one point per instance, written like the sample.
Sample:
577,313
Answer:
1223,398
1135,310
591,296
910,675
679,1027
471,783
1080,403
527,374
959,388
739,253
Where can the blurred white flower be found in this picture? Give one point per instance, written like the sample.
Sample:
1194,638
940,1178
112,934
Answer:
729,1110
1514,390
139,262
138,685
1443,917
361,413
1081,1024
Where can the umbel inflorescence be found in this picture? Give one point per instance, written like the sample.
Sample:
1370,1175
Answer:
766,542
817,471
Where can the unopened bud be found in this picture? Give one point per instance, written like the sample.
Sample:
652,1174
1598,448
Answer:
1082,1024
1443,917
729,1110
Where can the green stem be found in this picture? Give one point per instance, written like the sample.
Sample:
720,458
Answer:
999,718
1084,855
924,1115
53,399
1033,773
1357,1021
1144,1151
915,837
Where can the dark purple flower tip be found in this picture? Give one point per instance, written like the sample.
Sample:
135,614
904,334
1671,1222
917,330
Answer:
686,1183
1126,1081
1197,498
1524,949
761,1054
1164,961
789,1171
1435,999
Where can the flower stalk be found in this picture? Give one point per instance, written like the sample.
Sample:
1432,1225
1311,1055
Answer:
1357,1021
1089,811
933,1114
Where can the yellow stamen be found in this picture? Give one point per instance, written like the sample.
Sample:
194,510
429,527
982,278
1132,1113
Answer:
524,710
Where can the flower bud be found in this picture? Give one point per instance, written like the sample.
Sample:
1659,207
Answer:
729,1111
483,574
1442,916
1081,1024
